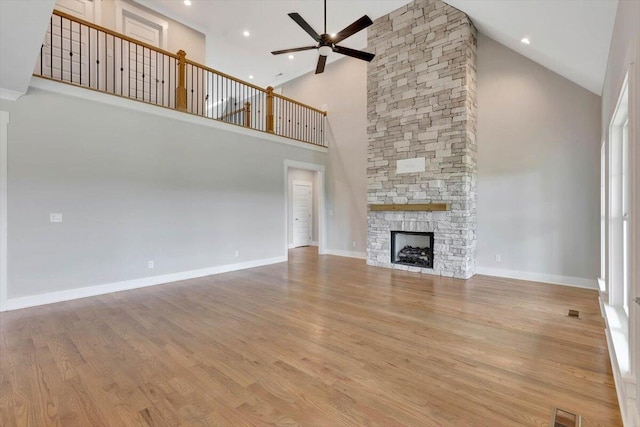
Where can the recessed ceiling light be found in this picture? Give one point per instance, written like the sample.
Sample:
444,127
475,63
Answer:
526,40
246,33
187,2
291,56
251,76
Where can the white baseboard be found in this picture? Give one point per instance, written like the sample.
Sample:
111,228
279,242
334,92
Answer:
617,336
89,291
625,388
348,254
578,282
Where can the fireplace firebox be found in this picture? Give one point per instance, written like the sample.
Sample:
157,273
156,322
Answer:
412,248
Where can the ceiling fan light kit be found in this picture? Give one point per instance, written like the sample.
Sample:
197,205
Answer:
324,50
329,43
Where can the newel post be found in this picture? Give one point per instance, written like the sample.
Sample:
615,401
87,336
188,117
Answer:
247,114
270,109
181,90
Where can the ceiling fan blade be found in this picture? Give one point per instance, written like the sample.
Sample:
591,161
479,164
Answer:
295,49
305,26
322,60
365,56
360,24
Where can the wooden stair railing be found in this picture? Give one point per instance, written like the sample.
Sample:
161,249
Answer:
88,55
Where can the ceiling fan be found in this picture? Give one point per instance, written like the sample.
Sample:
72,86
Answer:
327,43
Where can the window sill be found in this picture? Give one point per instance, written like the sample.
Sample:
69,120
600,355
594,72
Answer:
618,326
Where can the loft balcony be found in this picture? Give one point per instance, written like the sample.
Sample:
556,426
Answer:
84,54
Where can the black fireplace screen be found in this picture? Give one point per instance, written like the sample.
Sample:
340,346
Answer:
412,248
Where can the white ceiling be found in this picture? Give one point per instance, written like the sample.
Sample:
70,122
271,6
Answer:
223,22
570,37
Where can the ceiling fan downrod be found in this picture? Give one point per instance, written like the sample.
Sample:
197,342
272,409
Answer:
327,44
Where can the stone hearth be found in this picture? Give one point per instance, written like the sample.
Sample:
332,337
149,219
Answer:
422,104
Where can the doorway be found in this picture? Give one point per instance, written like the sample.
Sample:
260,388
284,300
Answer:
302,215
304,205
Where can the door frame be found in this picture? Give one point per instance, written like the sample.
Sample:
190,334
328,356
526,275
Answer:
293,204
124,9
4,166
320,191
97,11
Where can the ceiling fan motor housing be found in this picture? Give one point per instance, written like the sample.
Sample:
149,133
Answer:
326,43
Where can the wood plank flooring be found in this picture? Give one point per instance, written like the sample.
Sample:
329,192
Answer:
317,341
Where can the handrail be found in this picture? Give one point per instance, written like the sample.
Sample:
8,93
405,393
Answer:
220,73
113,33
82,53
286,98
232,113
227,76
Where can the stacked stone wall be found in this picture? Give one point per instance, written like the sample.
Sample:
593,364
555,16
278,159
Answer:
422,103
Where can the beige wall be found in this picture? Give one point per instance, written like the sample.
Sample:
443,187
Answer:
179,36
625,49
342,88
538,169
134,187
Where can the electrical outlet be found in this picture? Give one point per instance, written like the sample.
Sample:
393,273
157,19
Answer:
237,253
498,258
55,217
150,264
353,243
331,213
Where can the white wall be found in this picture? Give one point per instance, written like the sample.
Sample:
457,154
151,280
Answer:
538,171
134,187
180,36
343,89
309,176
23,25
624,57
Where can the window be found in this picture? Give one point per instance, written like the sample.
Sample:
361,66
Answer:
625,215
603,218
617,249
617,239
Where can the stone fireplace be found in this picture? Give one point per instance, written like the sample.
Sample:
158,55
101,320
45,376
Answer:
422,124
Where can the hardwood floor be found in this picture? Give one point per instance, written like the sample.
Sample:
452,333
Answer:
318,341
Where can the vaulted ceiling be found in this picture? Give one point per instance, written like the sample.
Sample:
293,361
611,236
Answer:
228,50
570,37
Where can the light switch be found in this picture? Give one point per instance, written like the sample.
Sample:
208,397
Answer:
55,217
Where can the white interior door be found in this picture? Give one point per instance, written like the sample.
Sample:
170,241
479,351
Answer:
141,78
302,213
83,9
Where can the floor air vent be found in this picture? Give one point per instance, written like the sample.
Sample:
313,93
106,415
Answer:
574,313
562,418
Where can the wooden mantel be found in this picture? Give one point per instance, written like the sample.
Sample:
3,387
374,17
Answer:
428,207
